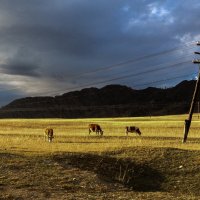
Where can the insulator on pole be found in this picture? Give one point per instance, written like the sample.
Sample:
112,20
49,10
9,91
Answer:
196,61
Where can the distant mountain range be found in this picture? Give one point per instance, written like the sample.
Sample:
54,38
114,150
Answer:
109,101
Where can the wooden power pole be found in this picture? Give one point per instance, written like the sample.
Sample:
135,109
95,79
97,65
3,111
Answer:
197,87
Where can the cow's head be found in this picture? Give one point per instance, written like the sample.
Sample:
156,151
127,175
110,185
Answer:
138,131
101,132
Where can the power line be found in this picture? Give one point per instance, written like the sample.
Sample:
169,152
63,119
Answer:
88,84
168,79
106,81
120,64
170,64
182,58
108,67
120,73
186,46
126,76
161,80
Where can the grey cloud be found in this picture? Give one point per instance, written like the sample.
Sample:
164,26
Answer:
23,69
58,40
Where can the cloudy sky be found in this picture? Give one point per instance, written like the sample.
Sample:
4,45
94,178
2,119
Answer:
49,47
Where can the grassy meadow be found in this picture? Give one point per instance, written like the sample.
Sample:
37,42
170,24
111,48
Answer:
76,165
71,135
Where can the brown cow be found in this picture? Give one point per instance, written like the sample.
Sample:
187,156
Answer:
133,129
95,128
48,134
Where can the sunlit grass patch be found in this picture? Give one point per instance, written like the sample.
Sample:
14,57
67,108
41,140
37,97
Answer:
71,135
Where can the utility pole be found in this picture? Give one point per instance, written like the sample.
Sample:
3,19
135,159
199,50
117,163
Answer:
197,87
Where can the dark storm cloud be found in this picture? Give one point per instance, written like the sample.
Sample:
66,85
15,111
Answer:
23,69
54,41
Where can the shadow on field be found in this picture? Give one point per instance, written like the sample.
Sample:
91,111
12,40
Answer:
138,177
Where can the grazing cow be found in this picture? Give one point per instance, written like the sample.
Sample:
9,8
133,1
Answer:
133,129
48,134
95,128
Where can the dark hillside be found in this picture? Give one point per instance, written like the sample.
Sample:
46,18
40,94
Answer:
109,101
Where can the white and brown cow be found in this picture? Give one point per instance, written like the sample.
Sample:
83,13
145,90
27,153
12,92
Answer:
132,129
48,134
95,128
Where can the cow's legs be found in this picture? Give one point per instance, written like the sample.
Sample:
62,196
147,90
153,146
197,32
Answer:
50,139
126,130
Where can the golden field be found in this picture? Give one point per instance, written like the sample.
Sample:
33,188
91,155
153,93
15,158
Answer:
71,135
76,165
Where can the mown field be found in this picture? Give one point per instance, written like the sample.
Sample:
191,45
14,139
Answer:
156,165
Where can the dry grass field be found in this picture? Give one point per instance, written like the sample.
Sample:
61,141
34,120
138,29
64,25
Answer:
155,165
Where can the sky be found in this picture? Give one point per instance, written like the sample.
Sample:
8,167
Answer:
50,47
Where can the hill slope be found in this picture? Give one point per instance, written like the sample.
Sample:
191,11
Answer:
109,101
